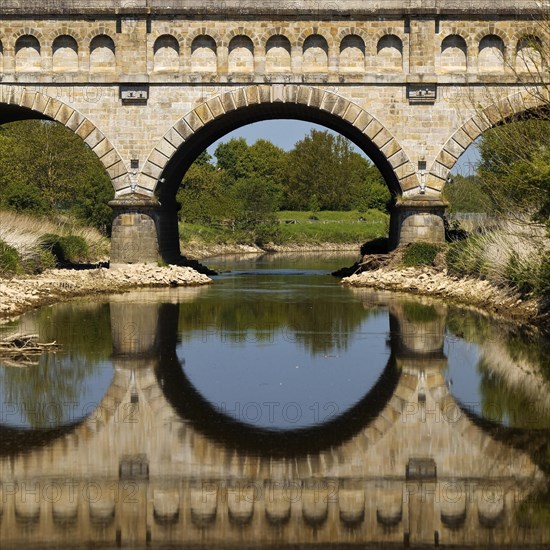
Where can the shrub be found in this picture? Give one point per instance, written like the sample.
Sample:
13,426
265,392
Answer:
10,263
418,254
39,261
520,275
70,248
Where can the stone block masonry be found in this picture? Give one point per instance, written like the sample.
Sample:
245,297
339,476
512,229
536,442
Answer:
149,85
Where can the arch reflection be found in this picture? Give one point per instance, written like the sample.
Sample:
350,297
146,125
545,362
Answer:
408,467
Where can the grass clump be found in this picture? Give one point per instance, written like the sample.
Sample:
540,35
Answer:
420,254
10,262
515,255
66,249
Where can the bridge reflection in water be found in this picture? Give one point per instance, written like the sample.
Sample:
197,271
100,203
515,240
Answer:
156,463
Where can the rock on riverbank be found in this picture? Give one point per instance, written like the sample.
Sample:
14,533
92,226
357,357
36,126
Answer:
438,283
21,294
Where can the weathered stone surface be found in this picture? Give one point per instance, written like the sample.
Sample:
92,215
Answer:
165,74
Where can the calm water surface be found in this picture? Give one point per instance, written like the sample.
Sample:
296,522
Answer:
275,409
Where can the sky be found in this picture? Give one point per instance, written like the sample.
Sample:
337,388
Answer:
285,133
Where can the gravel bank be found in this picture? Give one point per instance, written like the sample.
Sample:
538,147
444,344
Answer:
21,294
471,292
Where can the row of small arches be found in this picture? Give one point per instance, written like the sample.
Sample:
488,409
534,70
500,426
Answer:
278,52
453,56
491,54
204,51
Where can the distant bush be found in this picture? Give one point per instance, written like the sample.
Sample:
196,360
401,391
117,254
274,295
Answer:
10,263
418,254
70,248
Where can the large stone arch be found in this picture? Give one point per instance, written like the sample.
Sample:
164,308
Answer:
167,163
271,102
22,103
499,112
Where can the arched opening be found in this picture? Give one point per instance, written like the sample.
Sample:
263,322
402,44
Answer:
102,54
1,56
166,53
529,58
491,54
50,173
389,53
203,55
454,54
170,176
352,54
65,54
27,54
498,203
241,55
277,54
315,54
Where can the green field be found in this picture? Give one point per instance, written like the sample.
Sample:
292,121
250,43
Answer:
302,228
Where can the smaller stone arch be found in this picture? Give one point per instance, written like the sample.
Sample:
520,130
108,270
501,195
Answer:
353,31
529,54
454,54
315,31
204,58
315,54
491,54
166,53
492,115
352,54
243,31
277,54
53,109
65,30
389,53
202,31
102,54
65,54
241,54
28,54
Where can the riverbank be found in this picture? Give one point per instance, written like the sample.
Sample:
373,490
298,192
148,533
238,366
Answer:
201,251
438,283
23,293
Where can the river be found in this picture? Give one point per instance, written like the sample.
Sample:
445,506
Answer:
276,409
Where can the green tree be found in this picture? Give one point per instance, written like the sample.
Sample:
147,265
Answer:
326,167
515,168
258,201
203,196
44,167
234,158
466,194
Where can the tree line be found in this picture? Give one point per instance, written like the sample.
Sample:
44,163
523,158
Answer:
245,185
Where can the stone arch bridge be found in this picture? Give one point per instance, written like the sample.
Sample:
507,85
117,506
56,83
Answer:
149,84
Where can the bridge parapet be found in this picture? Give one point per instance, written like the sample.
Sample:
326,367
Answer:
343,8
